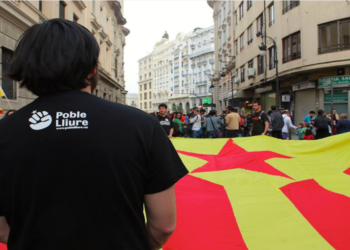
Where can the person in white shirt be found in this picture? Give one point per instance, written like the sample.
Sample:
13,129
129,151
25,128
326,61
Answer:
287,125
196,121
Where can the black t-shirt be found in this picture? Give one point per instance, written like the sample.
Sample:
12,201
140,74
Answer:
166,122
258,120
74,172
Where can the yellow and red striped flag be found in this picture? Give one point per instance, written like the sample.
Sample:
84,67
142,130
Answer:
263,193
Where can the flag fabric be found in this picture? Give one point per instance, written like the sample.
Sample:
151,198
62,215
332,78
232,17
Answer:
263,193
2,93
1,111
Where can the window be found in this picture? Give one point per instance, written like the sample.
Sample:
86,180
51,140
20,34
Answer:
145,96
140,97
249,4
140,105
291,47
236,21
145,87
260,65
75,18
251,64
241,39
150,104
40,5
289,4
271,15
272,58
236,47
8,86
241,10
334,36
140,87
145,105
116,67
150,85
243,73
62,10
250,34
260,23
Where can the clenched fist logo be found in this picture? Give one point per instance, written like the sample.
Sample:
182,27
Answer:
40,120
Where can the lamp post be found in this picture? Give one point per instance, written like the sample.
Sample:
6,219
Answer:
263,47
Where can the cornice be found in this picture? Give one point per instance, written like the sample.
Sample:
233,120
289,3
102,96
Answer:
116,6
81,5
13,12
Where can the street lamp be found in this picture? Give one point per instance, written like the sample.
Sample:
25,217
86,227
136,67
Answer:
263,47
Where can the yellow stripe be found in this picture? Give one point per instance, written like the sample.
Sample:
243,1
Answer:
266,218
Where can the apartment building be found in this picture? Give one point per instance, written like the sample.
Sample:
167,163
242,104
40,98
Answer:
312,42
103,18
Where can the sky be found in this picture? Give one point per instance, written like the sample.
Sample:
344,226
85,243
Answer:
147,22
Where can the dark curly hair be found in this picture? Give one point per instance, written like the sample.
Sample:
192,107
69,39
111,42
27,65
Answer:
56,55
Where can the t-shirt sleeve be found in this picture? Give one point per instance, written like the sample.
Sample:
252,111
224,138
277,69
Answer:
165,167
264,117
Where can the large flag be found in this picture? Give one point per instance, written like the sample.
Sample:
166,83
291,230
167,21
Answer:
263,193
2,93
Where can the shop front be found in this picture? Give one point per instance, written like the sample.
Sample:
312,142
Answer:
305,99
341,92
242,99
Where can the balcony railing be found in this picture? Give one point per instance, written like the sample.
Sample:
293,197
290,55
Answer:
291,57
292,5
201,52
333,48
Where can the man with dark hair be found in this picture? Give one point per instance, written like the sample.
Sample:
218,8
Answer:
277,122
260,121
79,173
165,121
310,117
232,120
322,125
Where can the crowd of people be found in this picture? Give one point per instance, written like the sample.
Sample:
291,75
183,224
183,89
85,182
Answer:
231,124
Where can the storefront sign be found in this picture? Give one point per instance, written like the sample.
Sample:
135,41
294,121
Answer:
337,80
285,98
338,96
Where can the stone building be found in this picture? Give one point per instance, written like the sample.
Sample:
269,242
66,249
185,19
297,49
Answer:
132,99
103,18
313,43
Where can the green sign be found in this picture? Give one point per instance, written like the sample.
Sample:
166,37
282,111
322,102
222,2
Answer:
338,96
207,100
337,80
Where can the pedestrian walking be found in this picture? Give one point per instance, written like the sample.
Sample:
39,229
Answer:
260,121
277,122
343,125
288,125
212,123
322,125
232,120
82,168
196,123
164,120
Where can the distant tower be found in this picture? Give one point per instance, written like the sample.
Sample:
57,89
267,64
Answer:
166,35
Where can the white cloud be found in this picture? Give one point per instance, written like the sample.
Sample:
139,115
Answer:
148,20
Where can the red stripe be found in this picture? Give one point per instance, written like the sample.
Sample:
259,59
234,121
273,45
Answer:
327,212
205,219
347,171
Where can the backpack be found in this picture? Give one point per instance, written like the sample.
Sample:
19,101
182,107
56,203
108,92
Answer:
322,123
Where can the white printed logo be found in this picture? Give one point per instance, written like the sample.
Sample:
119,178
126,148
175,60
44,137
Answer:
40,120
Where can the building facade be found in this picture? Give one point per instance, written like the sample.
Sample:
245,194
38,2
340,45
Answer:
132,99
181,71
103,18
312,43
145,83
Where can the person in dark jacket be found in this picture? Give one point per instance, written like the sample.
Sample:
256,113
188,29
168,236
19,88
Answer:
343,124
322,125
276,122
